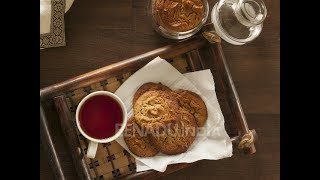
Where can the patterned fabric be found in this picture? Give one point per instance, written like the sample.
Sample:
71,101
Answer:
56,36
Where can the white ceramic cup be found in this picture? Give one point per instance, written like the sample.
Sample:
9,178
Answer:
93,144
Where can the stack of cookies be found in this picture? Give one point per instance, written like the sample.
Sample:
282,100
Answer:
164,121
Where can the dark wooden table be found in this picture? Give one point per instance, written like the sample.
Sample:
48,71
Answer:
99,33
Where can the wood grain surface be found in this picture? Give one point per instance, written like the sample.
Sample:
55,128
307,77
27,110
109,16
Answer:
99,33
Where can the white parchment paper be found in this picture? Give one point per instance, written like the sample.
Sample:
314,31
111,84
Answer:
212,141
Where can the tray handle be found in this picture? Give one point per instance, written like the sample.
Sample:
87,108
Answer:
247,137
48,146
71,136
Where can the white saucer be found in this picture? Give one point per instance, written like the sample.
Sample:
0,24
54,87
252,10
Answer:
68,5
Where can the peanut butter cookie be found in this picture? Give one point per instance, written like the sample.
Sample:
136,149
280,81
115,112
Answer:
194,104
149,87
155,109
177,137
137,140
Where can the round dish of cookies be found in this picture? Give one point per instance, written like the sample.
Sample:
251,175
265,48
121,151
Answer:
164,120
178,19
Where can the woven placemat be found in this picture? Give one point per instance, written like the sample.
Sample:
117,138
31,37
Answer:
56,36
112,161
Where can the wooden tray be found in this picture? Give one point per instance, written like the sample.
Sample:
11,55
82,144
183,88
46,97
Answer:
58,104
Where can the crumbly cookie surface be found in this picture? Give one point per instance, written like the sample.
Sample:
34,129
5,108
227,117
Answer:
194,104
177,137
149,87
137,140
155,109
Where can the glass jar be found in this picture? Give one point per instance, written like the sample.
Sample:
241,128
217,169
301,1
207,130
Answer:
178,19
238,21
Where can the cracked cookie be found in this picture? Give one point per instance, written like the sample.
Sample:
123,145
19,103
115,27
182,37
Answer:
137,141
149,87
155,109
179,15
177,137
194,104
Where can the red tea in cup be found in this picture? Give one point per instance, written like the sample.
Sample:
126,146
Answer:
100,117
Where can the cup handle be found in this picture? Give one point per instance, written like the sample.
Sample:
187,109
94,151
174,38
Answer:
92,149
